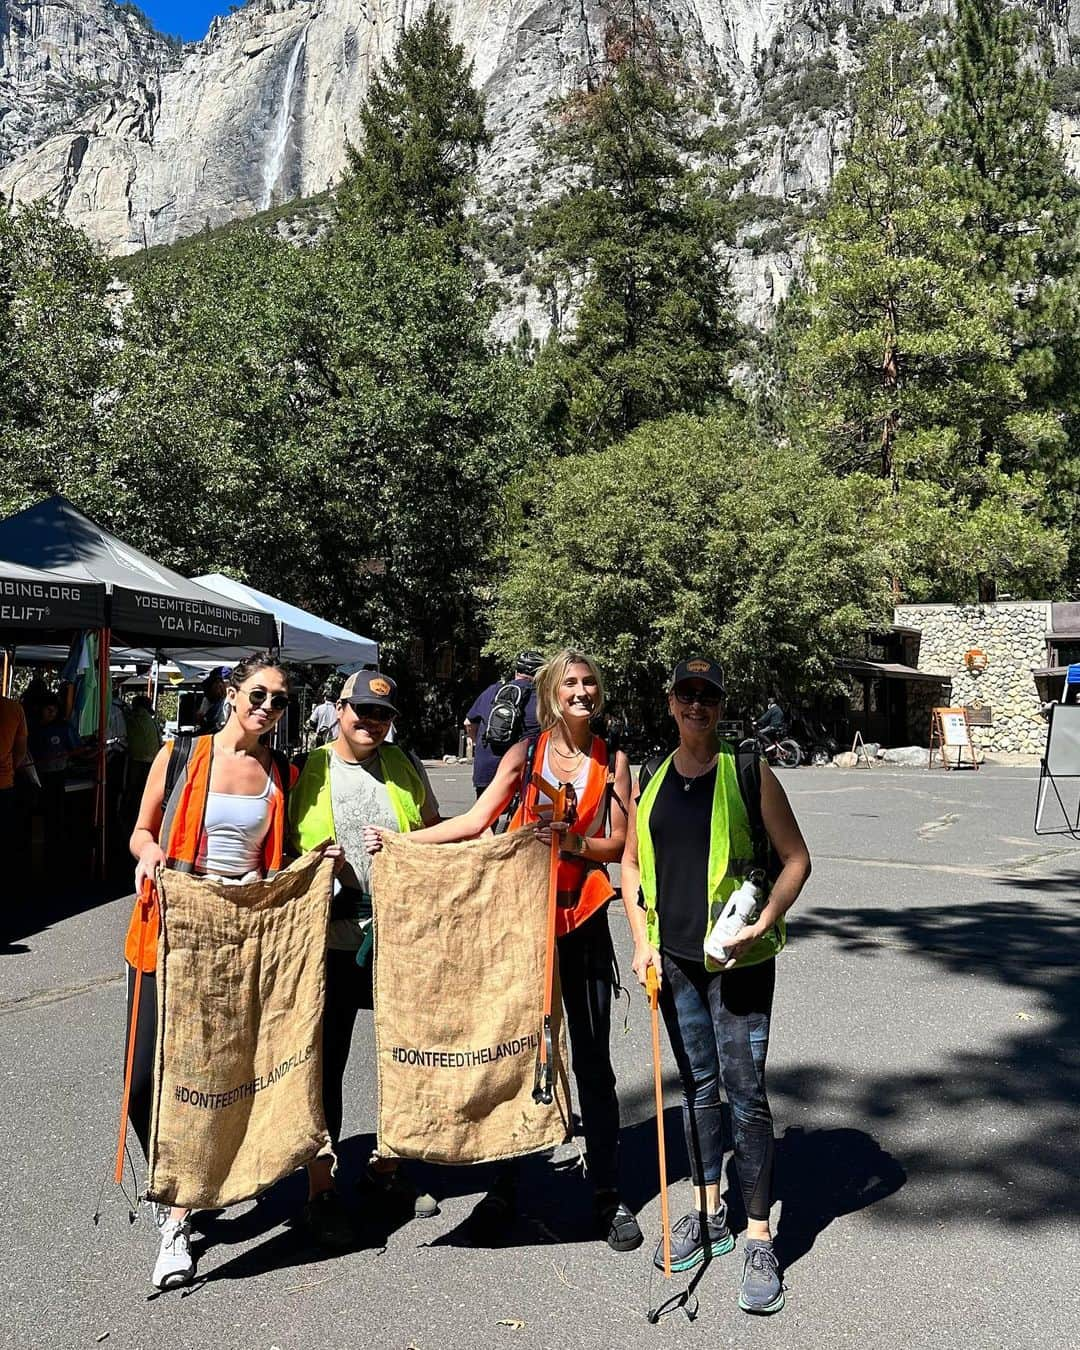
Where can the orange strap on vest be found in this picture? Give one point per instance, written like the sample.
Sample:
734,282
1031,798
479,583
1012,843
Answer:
183,826
146,909
582,888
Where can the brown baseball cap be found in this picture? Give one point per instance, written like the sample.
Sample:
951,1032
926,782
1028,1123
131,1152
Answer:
369,686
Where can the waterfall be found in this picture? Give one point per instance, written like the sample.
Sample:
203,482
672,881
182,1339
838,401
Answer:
277,146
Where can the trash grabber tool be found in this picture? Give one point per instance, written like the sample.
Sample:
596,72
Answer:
147,902
563,803
652,989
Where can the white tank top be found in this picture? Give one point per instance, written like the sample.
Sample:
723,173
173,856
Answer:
579,780
233,833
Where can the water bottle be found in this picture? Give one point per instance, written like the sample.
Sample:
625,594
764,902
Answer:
741,909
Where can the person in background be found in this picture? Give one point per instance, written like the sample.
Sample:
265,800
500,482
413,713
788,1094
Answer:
358,780
144,741
485,760
772,724
13,742
323,722
52,742
213,710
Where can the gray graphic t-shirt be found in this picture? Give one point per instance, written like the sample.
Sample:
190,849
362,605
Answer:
359,797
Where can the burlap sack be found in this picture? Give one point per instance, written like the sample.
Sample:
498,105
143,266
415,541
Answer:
241,983
460,937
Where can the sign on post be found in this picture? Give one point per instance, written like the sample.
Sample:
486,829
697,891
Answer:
951,729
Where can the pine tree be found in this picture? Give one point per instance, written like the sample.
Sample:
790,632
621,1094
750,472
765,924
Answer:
903,367
423,133
629,251
1024,219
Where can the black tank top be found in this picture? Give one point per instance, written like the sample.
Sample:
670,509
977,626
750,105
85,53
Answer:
680,823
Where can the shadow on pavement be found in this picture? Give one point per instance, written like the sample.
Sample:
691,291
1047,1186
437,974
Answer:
1016,1161
38,906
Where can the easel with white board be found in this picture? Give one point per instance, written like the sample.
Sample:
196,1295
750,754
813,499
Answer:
951,730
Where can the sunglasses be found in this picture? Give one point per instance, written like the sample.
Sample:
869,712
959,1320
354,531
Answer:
372,712
707,698
257,697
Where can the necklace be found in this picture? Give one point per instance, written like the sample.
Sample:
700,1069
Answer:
574,756
688,783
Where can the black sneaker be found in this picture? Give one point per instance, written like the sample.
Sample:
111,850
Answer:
617,1223
329,1222
689,1248
492,1219
396,1189
761,1290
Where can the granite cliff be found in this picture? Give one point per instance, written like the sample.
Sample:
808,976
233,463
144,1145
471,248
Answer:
139,141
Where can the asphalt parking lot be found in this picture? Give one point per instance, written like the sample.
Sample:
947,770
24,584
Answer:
924,1074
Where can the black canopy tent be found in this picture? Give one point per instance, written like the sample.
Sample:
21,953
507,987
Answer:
46,605
149,605
146,605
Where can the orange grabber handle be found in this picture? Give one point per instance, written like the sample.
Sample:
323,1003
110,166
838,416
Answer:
543,1092
652,989
147,902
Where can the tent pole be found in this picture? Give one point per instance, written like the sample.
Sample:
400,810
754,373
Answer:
5,678
101,828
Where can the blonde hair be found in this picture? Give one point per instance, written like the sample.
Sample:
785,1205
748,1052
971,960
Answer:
549,678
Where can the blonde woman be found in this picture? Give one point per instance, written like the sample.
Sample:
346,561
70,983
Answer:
569,695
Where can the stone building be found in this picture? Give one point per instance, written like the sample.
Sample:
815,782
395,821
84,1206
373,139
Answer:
1017,638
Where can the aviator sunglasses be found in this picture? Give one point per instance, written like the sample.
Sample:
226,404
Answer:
257,697
707,698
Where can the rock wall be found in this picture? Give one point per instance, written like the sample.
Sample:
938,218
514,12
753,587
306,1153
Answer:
1013,636
139,143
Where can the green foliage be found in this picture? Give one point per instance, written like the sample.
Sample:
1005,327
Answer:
902,364
628,252
55,338
695,534
423,131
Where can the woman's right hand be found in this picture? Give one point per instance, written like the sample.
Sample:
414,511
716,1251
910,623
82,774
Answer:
644,957
151,857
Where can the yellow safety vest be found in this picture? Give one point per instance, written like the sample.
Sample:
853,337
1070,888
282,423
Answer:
730,857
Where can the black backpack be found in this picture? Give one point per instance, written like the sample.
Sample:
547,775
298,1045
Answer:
748,772
506,720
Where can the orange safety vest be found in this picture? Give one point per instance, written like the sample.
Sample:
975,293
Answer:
182,829
582,887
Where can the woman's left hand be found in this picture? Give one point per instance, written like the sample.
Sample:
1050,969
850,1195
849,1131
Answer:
741,943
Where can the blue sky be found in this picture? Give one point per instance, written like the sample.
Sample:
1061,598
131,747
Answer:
184,18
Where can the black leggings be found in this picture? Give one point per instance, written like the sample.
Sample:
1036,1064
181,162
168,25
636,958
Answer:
587,976
719,1029
348,989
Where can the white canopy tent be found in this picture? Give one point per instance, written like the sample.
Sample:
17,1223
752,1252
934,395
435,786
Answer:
303,637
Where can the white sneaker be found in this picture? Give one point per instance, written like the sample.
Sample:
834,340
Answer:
175,1265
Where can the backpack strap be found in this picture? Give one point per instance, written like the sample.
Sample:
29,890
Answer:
648,769
178,761
503,823
748,772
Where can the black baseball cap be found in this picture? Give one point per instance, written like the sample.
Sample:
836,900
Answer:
528,662
369,686
698,668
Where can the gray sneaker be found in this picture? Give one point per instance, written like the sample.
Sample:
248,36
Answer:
762,1290
689,1248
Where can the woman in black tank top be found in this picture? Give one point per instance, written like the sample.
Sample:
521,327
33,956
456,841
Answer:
717,1020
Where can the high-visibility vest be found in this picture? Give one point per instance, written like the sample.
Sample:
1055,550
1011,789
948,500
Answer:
311,809
582,887
181,832
731,857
